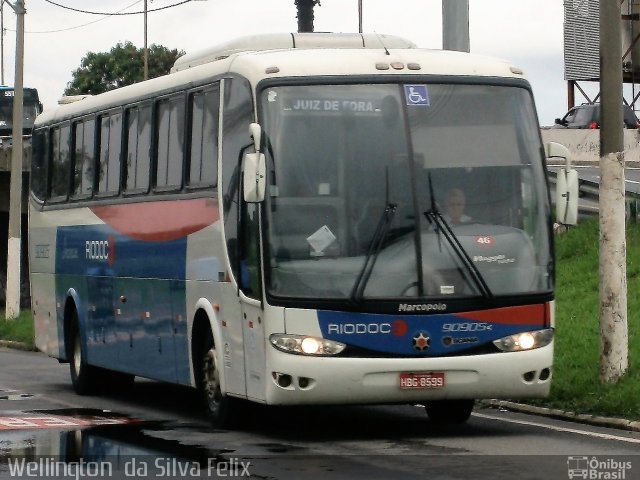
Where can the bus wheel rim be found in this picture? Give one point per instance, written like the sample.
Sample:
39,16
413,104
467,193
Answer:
212,381
77,356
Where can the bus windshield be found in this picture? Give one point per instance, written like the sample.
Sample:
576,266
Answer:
389,191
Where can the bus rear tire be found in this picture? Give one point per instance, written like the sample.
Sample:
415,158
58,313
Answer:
83,375
443,412
220,408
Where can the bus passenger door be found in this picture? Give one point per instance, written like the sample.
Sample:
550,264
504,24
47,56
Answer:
249,279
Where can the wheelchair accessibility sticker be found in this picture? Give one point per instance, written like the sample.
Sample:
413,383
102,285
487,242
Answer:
416,95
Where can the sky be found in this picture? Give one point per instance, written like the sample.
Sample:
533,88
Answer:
528,33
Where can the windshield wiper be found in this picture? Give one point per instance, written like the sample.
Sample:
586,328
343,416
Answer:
375,246
442,226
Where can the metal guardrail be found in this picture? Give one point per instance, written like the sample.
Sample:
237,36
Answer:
589,198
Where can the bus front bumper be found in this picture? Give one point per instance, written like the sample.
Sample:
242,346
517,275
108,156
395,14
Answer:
296,379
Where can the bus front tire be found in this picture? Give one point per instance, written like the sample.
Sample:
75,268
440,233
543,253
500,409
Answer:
218,406
444,412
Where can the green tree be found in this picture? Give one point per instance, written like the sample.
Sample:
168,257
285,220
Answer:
122,65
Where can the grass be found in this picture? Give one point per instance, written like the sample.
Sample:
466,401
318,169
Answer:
18,330
576,385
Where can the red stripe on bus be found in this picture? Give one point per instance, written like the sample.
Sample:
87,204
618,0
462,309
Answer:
160,221
522,315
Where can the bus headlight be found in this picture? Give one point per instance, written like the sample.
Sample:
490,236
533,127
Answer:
525,340
305,345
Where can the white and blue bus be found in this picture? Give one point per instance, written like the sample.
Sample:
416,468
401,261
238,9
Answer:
269,222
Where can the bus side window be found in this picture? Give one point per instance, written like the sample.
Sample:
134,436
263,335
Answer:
60,167
110,149
39,162
83,159
249,250
238,114
203,158
138,154
170,142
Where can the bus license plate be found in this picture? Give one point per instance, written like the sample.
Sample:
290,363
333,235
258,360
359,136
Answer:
421,380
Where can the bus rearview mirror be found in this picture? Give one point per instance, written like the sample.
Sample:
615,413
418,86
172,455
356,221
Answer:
557,150
567,185
254,180
255,131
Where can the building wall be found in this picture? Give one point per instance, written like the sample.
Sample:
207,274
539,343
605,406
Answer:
581,39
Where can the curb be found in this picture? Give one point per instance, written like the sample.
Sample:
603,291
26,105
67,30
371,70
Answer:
595,420
17,345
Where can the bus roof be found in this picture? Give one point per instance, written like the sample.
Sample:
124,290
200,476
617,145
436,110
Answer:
297,62
287,41
8,87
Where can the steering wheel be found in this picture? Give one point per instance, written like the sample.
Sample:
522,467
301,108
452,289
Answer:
432,282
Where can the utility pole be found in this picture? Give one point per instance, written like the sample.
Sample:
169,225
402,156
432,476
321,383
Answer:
2,42
15,186
613,264
359,16
455,25
146,48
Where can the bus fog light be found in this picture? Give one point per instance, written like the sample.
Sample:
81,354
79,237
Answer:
282,379
525,340
304,382
306,345
545,373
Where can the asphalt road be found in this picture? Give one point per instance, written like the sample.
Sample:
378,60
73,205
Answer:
156,430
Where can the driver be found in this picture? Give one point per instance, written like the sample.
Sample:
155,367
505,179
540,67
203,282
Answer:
454,207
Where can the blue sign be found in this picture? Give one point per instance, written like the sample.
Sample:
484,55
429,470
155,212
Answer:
416,95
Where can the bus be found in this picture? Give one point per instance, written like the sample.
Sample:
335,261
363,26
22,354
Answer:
31,108
267,223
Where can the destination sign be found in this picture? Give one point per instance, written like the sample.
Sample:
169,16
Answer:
328,105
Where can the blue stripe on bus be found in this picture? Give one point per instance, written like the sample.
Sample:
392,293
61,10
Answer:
407,335
146,334
100,250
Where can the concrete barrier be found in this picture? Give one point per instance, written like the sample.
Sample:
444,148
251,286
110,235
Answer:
584,144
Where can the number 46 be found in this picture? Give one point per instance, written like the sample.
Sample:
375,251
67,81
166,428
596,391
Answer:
484,240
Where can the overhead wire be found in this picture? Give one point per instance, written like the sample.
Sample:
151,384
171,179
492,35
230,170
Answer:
67,29
105,16
116,13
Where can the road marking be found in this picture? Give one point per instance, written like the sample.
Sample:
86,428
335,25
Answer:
16,396
29,422
11,394
604,436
